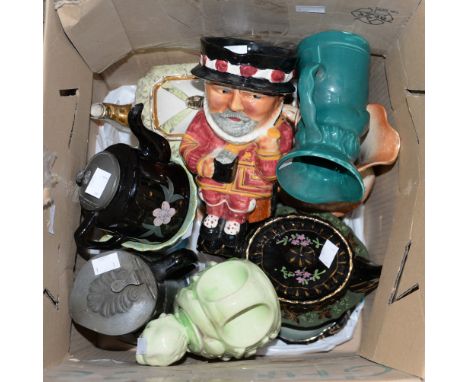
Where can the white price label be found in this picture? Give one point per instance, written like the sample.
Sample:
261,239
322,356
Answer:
98,183
328,253
311,8
141,346
239,49
106,263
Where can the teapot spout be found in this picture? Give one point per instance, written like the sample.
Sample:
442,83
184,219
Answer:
153,146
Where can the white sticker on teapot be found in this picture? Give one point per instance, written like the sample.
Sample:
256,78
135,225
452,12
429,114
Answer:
141,346
98,183
106,263
328,253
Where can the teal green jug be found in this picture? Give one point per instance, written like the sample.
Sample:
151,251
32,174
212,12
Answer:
333,86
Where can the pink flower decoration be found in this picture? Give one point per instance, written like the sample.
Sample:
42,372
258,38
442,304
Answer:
295,242
277,76
300,237
301,280
298,272
247,70
164,214
221,65
306,275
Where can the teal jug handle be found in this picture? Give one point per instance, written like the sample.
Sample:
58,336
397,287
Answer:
306,85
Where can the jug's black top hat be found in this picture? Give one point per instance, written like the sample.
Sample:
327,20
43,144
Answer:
246,64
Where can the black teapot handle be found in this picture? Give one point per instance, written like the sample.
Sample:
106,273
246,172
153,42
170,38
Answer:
153,146
365,277
83,236
174,265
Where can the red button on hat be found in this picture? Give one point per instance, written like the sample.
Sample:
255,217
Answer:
277,76
221,65
247,70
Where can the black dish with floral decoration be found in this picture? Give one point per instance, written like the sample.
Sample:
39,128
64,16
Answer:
319,268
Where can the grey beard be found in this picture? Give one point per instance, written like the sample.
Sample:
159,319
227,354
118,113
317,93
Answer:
234,129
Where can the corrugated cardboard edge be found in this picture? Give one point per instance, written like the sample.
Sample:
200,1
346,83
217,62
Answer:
305,368
116,29
67,98
412,50
95,26
394,335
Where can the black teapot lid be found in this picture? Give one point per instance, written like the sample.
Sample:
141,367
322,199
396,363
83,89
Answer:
99,181
114,293
307,259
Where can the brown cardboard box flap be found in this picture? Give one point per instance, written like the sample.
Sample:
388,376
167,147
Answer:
104,31
96,31
412,50
338,368
394,334
67,98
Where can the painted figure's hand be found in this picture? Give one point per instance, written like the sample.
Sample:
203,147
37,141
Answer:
205,167
269,143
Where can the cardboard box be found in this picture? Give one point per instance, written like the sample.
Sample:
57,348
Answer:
93,46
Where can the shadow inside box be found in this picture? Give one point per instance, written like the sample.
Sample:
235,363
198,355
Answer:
106,342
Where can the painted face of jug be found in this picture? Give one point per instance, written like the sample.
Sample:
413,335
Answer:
239,112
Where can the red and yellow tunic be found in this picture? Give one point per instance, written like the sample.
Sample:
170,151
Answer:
256,170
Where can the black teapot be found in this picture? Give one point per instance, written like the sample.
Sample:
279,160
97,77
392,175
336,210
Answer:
133,194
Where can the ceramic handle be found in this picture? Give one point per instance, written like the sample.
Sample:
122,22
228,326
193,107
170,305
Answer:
306,88
83,236
365,277
153,146
174,265
233,301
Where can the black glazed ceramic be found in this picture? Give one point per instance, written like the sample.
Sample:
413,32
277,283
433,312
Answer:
145,199
258,54
224,172
288,250
292,251
316,299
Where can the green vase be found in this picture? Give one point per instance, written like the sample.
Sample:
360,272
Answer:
333,70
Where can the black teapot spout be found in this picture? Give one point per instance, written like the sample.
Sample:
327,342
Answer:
153,147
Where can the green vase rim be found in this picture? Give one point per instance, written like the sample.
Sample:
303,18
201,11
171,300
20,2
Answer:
333,36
